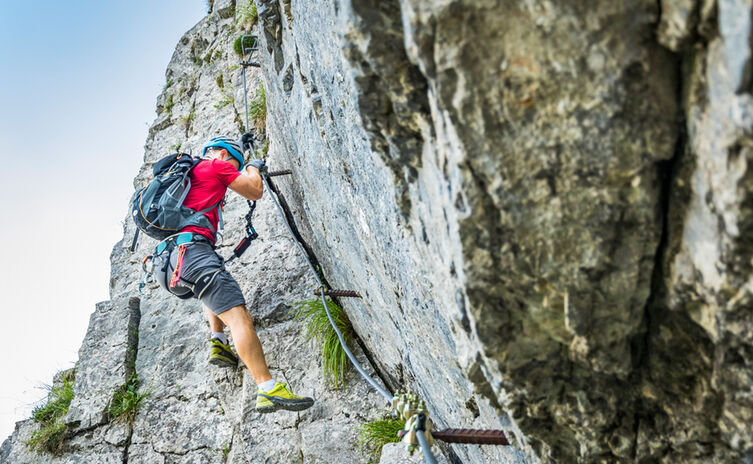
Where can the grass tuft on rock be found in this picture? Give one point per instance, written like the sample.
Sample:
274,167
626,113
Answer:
257,109
262,152
127,400
52,431
169,103
246,15
318,329
372,436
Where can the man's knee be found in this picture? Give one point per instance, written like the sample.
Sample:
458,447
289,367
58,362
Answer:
237,315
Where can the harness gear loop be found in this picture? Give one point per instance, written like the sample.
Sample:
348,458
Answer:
178,266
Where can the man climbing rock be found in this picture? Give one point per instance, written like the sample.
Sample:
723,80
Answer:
188,265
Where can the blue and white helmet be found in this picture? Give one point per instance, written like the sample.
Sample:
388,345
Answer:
231,145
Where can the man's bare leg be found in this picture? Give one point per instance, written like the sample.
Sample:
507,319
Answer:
215,323
245,340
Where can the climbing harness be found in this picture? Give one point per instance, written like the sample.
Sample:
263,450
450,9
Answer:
158,266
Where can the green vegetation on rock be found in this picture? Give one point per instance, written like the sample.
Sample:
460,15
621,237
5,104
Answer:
238,45
52,432
226,100
247,15
126,401
189,117
257,109
262,152
207,58
169,103
372,436
318,328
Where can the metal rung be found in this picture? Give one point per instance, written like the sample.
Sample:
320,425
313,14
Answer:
253,43
477,437
284,172
344,293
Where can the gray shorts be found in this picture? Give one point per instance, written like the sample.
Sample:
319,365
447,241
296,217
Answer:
201,261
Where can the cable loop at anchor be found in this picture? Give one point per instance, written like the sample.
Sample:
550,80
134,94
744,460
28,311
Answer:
412,409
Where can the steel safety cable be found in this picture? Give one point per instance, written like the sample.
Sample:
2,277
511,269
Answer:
425,448
350,355
352,358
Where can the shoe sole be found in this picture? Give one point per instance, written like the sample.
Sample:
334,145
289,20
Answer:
266,409
287,405
222,363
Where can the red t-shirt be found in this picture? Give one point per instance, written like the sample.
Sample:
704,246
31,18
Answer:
209,181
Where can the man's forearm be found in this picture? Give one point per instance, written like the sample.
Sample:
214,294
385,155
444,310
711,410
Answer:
248,185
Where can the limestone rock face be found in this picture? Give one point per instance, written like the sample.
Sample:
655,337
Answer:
545,198
545,206
105,362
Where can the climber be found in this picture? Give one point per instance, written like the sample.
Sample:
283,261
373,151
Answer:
189,258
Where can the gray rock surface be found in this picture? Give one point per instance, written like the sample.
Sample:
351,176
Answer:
86,447
506,183
105,362
546,207
703,315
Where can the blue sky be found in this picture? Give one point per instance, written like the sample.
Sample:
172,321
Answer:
78,88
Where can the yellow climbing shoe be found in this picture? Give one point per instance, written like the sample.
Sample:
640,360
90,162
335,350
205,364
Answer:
222,355
281,398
